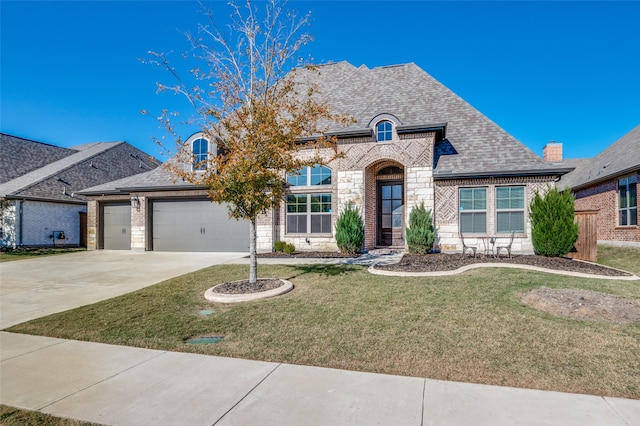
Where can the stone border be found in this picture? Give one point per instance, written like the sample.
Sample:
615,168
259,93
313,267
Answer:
212,296
372,270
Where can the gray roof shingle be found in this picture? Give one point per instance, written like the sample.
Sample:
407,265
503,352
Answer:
416,98
19,156
622,157
89,165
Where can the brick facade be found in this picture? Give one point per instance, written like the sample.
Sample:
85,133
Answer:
33,223
446,214
604,198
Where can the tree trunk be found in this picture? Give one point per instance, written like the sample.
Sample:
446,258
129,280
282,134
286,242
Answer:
253,259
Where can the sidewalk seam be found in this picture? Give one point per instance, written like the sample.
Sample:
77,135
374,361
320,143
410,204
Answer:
424,394
102,381
615,411
35,350
247,394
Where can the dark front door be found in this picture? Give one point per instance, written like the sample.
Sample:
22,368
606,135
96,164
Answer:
390,213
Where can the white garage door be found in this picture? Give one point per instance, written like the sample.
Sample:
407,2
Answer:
117,226
197,225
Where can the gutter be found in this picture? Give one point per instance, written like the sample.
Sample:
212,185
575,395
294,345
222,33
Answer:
606,178
444,175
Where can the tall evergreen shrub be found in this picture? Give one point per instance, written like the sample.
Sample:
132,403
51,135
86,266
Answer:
350,230
420,233
553,231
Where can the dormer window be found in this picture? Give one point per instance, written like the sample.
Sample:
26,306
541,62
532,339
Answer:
200,154
384,131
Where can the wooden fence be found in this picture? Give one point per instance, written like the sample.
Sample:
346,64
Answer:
586,248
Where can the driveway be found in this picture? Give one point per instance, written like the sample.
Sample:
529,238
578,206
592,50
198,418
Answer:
35,287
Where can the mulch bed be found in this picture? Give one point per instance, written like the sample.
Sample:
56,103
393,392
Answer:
448,262
308,254
243,286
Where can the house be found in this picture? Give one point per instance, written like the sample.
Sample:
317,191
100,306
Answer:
39,185
608,183
412,140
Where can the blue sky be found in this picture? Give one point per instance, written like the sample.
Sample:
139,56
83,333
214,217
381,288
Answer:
71,73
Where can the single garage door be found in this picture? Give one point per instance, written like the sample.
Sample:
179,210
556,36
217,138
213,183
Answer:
117,226
197,225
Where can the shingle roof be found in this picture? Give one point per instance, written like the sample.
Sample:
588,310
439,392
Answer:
416,98
88,165
156,179
622,157
19,156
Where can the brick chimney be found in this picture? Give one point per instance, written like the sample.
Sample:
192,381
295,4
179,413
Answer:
552,152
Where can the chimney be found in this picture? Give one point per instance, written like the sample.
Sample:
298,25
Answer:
552,152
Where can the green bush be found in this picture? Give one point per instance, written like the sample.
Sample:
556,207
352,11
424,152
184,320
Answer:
350,230
420,233
284,247
553,231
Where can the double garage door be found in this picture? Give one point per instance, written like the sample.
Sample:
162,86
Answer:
197,225
191,225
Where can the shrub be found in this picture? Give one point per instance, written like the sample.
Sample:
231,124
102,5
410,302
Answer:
284,247
420,233
553,231
350,230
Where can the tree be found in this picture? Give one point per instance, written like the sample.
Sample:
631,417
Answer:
350,230
553,231
420,233
256,100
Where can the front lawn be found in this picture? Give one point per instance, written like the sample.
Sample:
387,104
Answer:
17,254
469,328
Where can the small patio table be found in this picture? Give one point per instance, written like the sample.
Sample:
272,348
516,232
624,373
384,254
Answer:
489,242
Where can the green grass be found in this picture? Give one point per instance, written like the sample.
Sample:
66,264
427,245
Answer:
27,253
10,416
469,327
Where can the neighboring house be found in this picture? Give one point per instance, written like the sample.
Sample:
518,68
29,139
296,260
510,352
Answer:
39,184
412,141
608,183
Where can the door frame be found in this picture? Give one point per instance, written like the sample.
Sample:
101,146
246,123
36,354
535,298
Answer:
379,230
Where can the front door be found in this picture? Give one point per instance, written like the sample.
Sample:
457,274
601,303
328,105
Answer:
390,213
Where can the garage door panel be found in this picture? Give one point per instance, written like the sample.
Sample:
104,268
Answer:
197,226
117,227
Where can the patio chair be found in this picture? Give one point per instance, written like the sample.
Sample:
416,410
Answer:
466,247
506,247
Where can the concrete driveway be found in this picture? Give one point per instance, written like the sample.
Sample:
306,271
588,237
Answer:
35,287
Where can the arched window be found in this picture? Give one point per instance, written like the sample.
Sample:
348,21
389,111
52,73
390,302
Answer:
310,176
384,131
200,153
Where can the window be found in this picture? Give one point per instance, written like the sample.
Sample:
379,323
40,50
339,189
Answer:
473,210
310,176
510,209
200,154
384,131
309,214
628,201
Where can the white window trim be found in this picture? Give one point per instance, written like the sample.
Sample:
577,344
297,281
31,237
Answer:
308,215
512,210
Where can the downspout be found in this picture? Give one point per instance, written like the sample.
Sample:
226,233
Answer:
19,239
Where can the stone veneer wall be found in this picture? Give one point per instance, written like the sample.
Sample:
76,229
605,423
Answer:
446,210
604,198
354,180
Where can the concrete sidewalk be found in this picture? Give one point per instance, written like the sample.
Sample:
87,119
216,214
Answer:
121,385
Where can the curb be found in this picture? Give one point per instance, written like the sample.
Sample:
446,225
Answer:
372,270
212,296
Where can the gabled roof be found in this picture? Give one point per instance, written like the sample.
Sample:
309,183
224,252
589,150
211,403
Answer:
157,179
477,146
83,166
620,158
19,156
